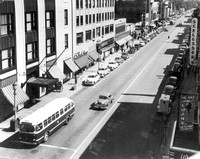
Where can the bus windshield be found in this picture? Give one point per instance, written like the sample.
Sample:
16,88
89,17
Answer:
26,127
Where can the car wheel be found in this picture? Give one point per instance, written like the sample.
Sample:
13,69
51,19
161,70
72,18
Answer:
46,136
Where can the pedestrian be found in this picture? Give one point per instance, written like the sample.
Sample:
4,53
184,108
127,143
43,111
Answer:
189,106
168,37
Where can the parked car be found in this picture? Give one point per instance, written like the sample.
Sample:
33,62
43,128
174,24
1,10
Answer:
170,90
103,70
172,80
132,50
91,79
142,43
119,60
125,55
104,100
112,65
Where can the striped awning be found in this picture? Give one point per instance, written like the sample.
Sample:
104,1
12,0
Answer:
56,73
73,67
21,96
94,55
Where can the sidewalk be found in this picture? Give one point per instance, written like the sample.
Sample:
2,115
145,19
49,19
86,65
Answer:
182,139
67,92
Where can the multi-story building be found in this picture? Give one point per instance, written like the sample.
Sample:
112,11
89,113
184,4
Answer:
46,41
93,23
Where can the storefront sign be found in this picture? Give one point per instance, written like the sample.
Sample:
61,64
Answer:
79,54
185,106
107,42
193,41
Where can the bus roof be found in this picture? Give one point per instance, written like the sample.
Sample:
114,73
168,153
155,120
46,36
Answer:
46,111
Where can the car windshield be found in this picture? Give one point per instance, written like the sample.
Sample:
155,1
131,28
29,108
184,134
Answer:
91,76
168,90
102,68
27,127
111,62
102,97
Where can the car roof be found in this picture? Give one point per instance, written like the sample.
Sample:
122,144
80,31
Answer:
173,77
93,73
169,87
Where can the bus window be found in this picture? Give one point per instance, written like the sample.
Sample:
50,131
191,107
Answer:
49,120
39,127
68,106
45,123
57,114
61,111
65,108
53,117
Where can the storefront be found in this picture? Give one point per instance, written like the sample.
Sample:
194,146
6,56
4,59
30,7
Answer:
82,60
123,42
107,48
7,101
93,54
70,68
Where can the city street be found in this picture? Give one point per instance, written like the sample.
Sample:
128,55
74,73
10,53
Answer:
136,86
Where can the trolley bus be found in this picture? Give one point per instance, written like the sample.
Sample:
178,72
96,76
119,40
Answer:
38,126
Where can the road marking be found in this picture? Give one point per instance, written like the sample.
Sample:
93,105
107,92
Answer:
57,147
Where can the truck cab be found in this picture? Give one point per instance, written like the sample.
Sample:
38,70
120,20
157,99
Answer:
164,105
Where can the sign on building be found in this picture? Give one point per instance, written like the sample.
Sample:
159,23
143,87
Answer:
193,42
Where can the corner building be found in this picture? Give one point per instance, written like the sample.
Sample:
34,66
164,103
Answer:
46,41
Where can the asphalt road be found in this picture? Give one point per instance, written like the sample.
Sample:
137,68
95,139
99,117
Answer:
135,86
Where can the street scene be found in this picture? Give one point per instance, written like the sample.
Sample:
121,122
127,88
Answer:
133,93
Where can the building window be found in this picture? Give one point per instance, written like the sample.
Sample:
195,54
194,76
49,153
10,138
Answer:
93,3
77,20
66,17
86,19
66,41
102,16
93,32
86,3
111,28
50,19
90,3
90,19
81,20
88,35
102,30
31,52
79,38
98,31
106,29
97,17
7,59
81,4
6,24
50,46
93,18
30,21
102,3
77,4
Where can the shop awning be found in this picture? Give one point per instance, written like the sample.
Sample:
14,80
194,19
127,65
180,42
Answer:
121,41
94,55
55,72
107,47
128,38
42,82
21,96
73,67
82,61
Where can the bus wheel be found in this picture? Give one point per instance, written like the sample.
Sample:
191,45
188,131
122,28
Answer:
67,120
46,136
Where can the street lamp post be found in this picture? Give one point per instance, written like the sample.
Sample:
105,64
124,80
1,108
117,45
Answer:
98,47
14,122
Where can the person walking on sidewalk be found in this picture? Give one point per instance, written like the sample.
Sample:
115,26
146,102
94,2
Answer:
189,106
188,69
